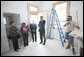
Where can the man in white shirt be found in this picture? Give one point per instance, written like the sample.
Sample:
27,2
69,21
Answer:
70,26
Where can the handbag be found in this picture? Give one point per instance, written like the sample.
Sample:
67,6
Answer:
9,37
39,30
18,36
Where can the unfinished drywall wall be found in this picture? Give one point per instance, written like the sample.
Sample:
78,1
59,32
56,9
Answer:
16,7
77,5
19,7
4,40
46,6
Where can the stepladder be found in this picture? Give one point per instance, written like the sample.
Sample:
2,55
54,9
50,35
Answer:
53,15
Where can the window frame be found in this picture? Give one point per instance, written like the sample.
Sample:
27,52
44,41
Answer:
67,9
68,5
31,12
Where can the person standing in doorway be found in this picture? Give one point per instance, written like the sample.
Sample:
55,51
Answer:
24,31
70,25
42,30
14,33
33,28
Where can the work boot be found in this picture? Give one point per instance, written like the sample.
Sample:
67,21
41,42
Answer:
27,44
24,45
40,42
68,47
43,43
16,50
73,50
35,41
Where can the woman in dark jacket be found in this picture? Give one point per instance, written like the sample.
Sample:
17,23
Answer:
13,33
24,31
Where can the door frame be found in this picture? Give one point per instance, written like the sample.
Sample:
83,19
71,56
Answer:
9,40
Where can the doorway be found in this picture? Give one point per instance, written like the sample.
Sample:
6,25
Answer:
11,17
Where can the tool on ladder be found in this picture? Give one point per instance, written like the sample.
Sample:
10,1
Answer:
52,15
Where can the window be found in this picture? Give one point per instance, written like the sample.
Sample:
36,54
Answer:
33,13
33,9
62,8
33,18
61,11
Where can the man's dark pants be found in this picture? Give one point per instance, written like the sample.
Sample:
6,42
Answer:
42,35
34,34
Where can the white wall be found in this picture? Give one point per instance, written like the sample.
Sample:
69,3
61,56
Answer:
77,5
46,6
18,7
4,41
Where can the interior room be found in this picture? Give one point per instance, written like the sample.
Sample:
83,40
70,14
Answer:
55,14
